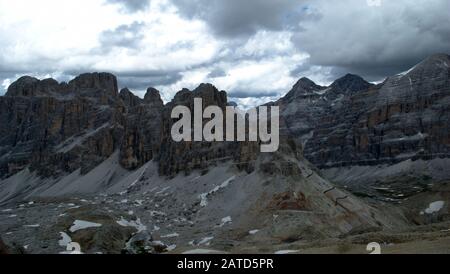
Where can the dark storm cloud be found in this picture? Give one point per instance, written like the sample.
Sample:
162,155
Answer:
251,94
375,41
141,80
131,5
124,36
343,36
235,18
346,36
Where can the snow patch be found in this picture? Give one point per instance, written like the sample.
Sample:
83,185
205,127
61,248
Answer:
204,196
65,239
139,202
225,221
79,225
202,251
253,232
36,225
136,224
435,207
173,235
406,72
322,92
282,252
171,247
205,241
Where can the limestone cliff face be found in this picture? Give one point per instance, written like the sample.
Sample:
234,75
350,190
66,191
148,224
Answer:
57,128
187,156
354,123
143,130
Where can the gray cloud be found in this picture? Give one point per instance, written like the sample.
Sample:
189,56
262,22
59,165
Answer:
301,69
217,73
375,41
345,36
251,94
235,18
124,36
141,80
131,5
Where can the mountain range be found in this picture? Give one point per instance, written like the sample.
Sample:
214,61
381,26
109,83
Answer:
357,161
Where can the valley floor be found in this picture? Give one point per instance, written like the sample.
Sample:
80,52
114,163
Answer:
43,226
221,210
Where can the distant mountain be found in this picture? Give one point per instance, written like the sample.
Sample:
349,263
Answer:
352,122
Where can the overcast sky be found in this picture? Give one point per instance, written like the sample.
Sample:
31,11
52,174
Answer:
254,49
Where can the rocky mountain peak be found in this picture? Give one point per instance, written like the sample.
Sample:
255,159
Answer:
206,87
431,67
153,96
208,92
211,95
306,84
28,86
24,86
87,82
303,87
129,98
125,91
439,61
439,56
349,84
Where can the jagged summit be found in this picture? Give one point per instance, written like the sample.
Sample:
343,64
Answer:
87,84
28,86
436,61
205,87
103,81
346,85
434,64
439,56
350,84
303,87
129,99
153,96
